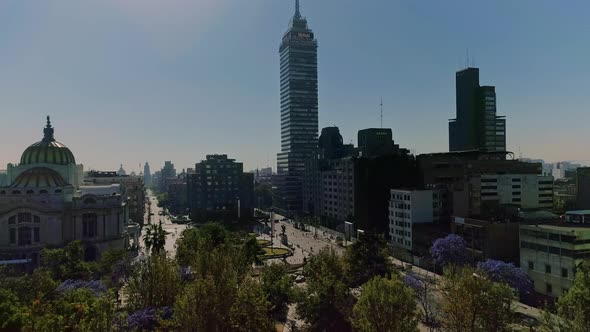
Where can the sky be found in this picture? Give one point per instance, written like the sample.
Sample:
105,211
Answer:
129,81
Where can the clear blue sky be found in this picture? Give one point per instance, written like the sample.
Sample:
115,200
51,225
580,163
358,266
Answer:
127,81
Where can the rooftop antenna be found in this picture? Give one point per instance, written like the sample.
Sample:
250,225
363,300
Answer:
381,112
467,58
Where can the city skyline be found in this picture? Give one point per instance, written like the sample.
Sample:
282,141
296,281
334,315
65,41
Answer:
145,96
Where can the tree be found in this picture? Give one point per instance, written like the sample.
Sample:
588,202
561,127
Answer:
155,283
573,308
503,272
326,302
249,311
473,302
155,238
10,311
450,250
187,245
366,258
263,195
424,290
277,286
66,263
385,305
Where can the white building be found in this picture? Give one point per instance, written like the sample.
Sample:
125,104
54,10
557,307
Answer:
527,191
549,254
45,205
409,207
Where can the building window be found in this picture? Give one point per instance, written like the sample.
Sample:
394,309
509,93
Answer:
564,273
25,217
549,288
36,235
547,268
89,225
24,236
531,265
12,220
13,236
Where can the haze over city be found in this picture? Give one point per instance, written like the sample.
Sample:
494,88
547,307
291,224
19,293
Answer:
130,81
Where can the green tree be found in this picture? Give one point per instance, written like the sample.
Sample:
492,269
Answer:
573,308
277,286
187,245
326,303
366,258
155,238
67,263
154,283
10,311
472,302
249,311
385,305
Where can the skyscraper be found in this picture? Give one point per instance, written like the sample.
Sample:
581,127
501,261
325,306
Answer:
147,175
299,110
476,126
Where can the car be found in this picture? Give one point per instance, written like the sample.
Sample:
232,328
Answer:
300,279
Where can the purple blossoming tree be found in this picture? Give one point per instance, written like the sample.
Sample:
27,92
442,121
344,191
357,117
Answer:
450,250
515,277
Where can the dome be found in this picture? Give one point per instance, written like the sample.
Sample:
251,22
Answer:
47,151
38,177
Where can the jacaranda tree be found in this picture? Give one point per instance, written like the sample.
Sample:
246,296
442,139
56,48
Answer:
450,250
503,272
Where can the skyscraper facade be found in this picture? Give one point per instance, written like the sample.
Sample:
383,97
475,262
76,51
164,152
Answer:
476,126
299,111
147,175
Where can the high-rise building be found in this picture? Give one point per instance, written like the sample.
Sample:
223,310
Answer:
220,190
147,175
376,142
476,126
299,110
583,188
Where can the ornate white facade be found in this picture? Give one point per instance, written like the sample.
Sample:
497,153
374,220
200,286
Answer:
46,206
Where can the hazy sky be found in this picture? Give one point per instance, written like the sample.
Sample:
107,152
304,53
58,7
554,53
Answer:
127,81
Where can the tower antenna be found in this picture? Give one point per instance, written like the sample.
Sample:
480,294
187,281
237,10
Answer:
381,112
467,58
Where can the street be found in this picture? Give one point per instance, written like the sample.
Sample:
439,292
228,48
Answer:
173,230
305,242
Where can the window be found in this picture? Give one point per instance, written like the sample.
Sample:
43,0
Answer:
13,236
12,220
24,217
89,225
36,236
549,288
24,236
547,268
563,273
531,265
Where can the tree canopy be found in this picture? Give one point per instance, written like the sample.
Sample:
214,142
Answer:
385,305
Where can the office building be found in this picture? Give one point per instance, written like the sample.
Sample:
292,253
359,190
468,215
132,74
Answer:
166,176
3,178
453,171
376,142
583,188
549,254
476,126
299,111
220,190
408,207
147,175
484,194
